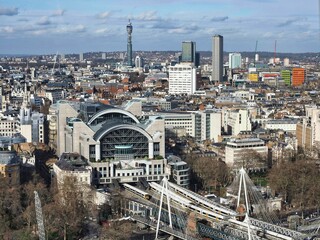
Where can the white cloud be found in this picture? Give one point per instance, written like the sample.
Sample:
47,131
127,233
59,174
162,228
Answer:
44,21
147,16
7,29
71,29
104,15
102,30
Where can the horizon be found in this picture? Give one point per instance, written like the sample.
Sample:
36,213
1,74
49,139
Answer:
39,28
47,54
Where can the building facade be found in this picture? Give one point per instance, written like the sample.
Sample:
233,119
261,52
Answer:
308,129
298,76
286,76
182,79
188,52
115,143
10,167
234,60
237,153
235,121
217,58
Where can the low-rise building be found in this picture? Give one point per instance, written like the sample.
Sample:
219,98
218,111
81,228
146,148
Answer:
180,171
250,153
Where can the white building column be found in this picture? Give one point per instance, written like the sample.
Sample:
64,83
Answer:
151,150
98,152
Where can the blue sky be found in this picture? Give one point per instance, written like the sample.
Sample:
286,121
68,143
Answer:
74,26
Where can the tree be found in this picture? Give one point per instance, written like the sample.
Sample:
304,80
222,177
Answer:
209,172
70,209
251,159
297,182
118,230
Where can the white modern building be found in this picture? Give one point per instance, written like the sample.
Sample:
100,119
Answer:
182,79
138,62
31,125
235,121
237,149
180,171
287,125
234,60
202,125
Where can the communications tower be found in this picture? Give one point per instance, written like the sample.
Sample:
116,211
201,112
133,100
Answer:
129,44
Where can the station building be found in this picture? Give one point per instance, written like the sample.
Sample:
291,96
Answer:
115,143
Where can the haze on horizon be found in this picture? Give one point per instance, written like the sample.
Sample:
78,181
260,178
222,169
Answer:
73,26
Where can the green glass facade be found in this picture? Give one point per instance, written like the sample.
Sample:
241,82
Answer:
286,76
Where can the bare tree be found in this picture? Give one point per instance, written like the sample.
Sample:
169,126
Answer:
251,159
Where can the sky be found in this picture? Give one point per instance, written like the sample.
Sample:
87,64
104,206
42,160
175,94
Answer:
74,26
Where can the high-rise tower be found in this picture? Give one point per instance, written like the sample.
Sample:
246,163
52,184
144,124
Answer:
129,44
217,58
189,53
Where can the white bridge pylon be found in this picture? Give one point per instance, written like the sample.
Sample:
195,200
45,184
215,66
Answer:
243,183
164,189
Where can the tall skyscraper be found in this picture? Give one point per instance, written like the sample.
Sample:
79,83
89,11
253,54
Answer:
217,58
234,60
81,57
129,44
103,56
189,53
138,62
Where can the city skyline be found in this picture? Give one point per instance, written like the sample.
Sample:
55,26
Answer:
37,27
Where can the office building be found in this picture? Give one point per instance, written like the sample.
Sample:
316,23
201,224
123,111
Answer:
235,121
256,57
81,57
180,171
104,56
72,165
217,58
237,149
8,126
253,77
298,76
286,62
286,76
129,44
188,52
308,130
234,60
202,125
32,125
138,62
182,79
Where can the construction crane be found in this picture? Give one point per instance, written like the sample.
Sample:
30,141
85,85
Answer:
275,52
41,233
255,52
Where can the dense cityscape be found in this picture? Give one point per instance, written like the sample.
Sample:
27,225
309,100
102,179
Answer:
182,144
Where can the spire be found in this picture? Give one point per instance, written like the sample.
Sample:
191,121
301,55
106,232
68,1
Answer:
25,102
